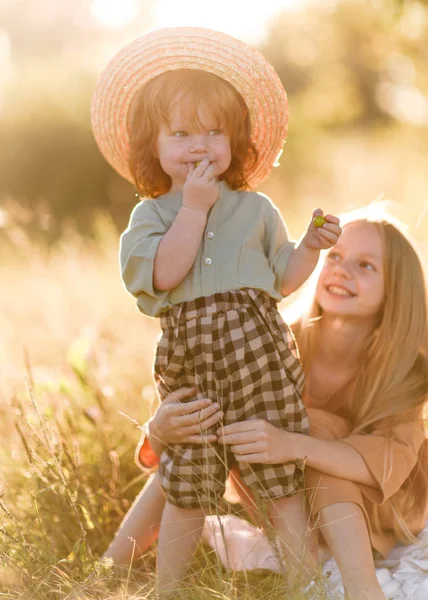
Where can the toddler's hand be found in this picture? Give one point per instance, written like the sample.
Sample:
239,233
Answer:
326,236
201,190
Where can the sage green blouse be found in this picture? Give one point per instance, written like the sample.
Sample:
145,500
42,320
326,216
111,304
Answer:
245,245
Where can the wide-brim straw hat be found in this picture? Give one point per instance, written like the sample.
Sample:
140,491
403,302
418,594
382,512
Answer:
190,48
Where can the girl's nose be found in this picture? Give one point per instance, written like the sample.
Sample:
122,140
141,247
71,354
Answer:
341,269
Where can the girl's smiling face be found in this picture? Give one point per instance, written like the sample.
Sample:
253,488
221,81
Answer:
181,143
351,283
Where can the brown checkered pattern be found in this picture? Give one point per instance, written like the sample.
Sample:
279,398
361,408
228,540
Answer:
234,348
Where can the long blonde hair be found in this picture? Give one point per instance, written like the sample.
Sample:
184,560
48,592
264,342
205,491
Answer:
391,384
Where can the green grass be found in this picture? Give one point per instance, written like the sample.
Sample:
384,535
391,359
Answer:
75,357
65,496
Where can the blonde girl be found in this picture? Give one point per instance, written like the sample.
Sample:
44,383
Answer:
364,347
211,259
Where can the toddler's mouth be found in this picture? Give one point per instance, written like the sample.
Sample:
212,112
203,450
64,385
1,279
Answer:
198,162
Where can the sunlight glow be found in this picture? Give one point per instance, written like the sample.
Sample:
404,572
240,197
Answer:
114,13
241,18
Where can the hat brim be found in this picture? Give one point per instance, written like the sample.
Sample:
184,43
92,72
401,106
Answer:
190,48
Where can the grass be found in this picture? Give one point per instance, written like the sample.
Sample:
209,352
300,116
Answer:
65,495
75,356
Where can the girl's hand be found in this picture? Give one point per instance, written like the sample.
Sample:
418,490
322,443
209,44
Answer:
201,190
326,236
177,422
257,441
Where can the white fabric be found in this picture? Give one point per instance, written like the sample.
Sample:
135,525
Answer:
240,546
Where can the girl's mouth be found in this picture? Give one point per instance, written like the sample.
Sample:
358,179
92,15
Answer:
338,290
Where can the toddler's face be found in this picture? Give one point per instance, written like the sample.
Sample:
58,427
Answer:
181,143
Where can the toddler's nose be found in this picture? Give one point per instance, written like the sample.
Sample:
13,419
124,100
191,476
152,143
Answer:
199,143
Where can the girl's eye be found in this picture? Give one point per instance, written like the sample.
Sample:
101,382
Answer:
215,132
179,133
366,265
333,256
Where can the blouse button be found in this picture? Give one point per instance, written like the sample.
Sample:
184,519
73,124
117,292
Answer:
208,262
210,235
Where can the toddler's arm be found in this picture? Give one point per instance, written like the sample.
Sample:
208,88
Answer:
179,246
304,257
178,249
301,263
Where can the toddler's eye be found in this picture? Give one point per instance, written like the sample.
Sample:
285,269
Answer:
333,256
215,132
179,133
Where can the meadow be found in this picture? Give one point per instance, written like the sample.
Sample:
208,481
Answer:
75,355
75,383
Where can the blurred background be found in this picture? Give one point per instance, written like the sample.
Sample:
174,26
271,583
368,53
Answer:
75,354
356,75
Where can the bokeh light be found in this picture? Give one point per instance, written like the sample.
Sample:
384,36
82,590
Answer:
114,13
247,21
356,79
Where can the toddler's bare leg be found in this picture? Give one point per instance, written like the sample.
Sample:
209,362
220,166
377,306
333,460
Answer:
345,530
140,526
299,543
179,534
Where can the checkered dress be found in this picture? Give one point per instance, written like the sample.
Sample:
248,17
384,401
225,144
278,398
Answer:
234,348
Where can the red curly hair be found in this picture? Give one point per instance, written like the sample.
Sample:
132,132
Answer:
190,88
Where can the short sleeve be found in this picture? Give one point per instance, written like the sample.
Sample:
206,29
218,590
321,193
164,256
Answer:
390,453
138,247
145,457
277,245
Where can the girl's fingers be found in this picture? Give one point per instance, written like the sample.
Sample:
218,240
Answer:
212,420
179,395
239,427
199,416
199,439
198,428
180,408
237,438
249,458
250,448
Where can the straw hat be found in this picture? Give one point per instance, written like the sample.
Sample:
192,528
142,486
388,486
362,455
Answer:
190,48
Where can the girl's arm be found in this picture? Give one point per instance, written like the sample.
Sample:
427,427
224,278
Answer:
257,441
337,458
